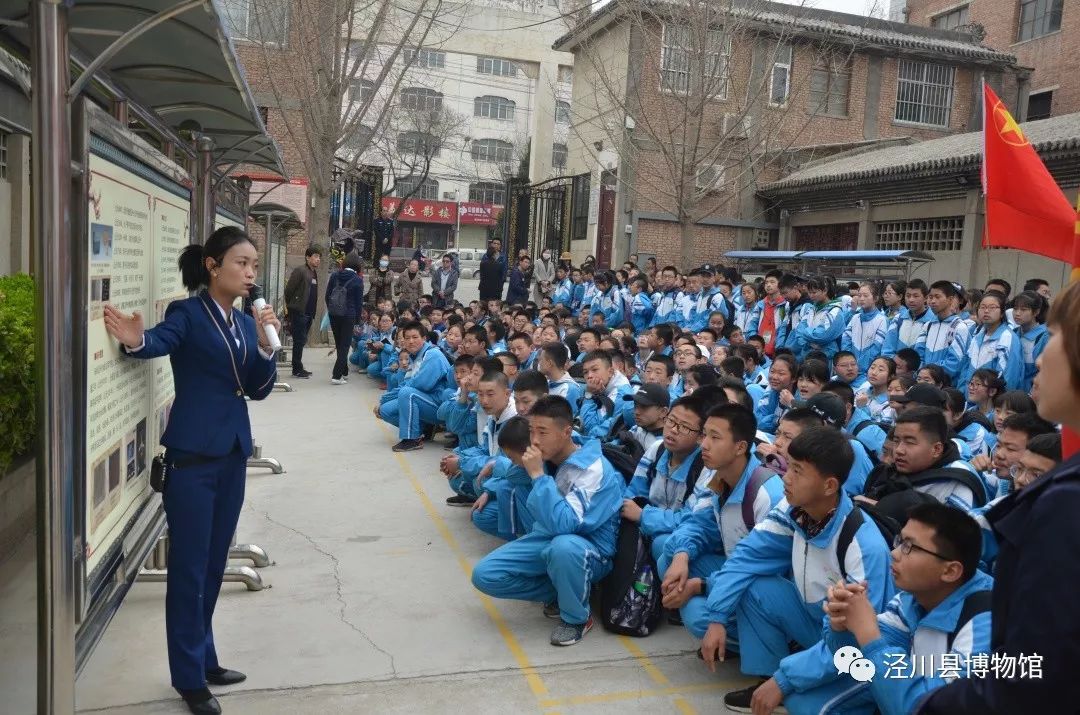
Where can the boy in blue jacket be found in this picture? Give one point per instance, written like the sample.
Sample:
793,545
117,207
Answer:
467,468
932,632
416,402
501,507
777,579
575,528
603,400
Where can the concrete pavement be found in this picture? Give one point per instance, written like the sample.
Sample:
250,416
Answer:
370,607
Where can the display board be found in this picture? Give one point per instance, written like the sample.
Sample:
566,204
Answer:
139,221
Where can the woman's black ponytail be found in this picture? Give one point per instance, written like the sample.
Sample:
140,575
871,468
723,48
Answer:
192,261
193,273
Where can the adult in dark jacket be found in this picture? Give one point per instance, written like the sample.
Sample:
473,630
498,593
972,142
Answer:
518,290
1037,573
343,319
383,230
382,281
492,272
444,280
301,297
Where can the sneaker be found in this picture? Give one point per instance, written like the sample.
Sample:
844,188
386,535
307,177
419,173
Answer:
570,633
739,700
336,381
459,500
301,375
361,370
344,378
408,445
451,443
674,617
305,373
551,610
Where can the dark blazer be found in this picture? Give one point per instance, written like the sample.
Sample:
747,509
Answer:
298,289
212,375
1033,609
492,277
451,281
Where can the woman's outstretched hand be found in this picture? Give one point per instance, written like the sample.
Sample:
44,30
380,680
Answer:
128,329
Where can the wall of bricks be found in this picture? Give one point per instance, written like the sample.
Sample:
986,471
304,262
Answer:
1048,55
663,238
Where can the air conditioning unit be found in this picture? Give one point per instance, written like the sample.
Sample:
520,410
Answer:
449,196
710,178
736,125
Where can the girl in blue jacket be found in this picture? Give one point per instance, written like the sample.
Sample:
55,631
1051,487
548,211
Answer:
994,345
823,325
864,336
1029,312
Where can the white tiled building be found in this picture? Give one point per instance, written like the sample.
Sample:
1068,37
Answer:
510,94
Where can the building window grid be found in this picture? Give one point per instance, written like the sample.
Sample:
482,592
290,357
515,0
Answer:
1038,18
265,21
1040,105
492,150
3,155
937,234
950,20
830,83
558,156
428,189
418,143
924,93
487,192
780,80
496,66
432,59
421,99
360,90
494,108
675,55
562,112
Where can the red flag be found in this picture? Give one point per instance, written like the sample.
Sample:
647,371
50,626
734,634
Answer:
1070,441
1025,208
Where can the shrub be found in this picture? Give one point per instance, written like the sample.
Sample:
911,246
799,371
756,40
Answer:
16,367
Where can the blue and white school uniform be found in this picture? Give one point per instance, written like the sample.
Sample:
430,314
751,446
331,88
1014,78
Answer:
945,343
864,336
999,351
1032,344
568,388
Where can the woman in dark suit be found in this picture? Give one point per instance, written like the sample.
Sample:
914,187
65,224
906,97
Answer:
219,355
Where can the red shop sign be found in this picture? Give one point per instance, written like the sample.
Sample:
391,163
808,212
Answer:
480,214
421,210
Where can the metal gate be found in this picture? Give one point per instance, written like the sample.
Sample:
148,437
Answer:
355,204
539,215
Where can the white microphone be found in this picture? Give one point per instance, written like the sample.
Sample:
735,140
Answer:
271,332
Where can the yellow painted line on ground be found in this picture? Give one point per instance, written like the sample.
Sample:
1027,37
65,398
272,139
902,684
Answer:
601,698
681,703
532,676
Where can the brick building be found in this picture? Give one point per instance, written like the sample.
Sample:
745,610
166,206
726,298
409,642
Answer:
892,82
1039,33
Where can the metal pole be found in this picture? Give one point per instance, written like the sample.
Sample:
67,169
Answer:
204,189
54,277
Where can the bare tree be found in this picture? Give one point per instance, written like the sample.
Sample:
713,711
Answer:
334,72
694,124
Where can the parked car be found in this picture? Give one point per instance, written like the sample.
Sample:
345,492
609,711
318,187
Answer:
469,261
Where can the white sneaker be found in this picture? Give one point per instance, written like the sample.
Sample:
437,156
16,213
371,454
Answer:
344,378
336,381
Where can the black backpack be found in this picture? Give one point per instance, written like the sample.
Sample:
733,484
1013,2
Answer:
956,474
885,524
975,603
622,450
691,481
337,303
630,600
874,459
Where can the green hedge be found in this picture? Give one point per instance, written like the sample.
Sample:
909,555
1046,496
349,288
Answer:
16,367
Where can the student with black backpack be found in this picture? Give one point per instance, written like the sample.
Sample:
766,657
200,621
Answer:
344,303
940,616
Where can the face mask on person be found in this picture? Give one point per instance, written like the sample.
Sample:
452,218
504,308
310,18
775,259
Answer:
384,264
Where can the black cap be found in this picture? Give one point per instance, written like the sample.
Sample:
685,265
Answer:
651,394
922,394
828,407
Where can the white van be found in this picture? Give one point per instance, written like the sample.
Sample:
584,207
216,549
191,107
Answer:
469,261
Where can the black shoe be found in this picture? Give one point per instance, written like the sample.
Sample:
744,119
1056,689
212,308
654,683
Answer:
200,702
429,432
739,700
302,375
458,500
408,445
675,618
451,442
224,676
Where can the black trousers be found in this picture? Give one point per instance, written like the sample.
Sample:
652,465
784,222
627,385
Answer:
299,326
342,329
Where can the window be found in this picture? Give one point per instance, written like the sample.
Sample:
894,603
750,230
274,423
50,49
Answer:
359,141
579,208
830,80
924,93
562,112
558,156
1038,18
566,74
425,58
950,20
709,178
421,98
3,155
494,65
361,90
419,143
936,234
1039,105
493,107
427,189
780,82
676,61
257,20
494,150
487,192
